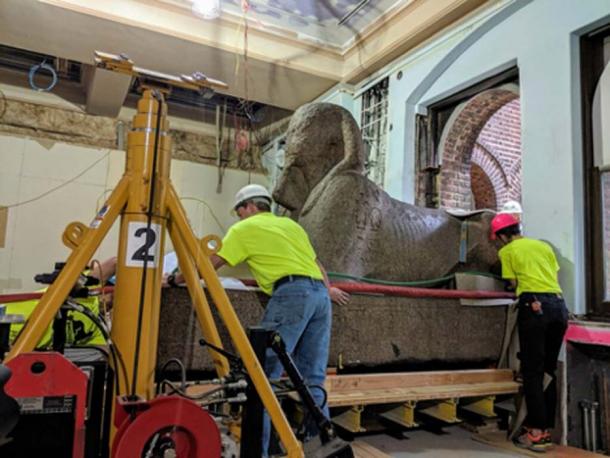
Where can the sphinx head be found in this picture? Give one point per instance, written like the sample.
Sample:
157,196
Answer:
321,137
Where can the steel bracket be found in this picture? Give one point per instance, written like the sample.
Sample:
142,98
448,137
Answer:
481,406
404,415
445,410
351,420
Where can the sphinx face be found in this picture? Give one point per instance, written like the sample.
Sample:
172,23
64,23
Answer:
291,190
314,145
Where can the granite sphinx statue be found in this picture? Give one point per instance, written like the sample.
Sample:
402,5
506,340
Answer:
355,226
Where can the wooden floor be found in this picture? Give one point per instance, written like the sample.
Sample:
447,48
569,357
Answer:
364,450
498,439
455,442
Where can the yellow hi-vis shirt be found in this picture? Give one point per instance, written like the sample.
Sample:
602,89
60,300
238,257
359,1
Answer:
532,263
80,330
272,246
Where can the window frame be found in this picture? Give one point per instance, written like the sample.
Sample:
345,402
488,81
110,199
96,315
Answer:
375,116
591,68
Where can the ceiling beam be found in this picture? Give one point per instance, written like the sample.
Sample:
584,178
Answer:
401,30
283,69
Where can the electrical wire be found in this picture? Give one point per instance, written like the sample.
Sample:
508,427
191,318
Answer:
220,225
182,371
177,390
3,104
102,196
35,69
324,392
65,183
117,358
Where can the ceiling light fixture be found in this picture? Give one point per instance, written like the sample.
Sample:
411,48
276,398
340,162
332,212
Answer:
207,9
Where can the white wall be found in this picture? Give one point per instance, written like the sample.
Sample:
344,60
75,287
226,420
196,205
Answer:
28,169
342,94
541,38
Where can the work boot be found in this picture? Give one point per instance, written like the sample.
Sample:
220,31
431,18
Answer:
546,440
535,443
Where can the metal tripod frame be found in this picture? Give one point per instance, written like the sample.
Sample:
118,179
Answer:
148,205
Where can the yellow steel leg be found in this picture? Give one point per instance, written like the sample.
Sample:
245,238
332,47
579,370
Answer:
236,331
200,302
84,241
137,294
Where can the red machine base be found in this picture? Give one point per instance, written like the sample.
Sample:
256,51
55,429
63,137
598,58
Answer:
168,422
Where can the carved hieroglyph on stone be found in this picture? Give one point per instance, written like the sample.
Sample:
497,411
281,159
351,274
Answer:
354,225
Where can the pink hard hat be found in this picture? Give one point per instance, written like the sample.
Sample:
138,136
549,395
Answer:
501,221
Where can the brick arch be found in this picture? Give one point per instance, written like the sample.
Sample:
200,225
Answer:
483,192
458,141
493,170
514,177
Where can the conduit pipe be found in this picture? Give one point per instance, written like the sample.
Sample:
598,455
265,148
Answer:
19,297
348,287
407,291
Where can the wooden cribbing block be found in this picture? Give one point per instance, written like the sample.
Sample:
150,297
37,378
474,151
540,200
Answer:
350,390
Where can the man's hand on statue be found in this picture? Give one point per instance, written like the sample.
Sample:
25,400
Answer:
338,296
171,280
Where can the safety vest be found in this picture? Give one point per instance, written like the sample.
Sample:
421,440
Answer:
80,330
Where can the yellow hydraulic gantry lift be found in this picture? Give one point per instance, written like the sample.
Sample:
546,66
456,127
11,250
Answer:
148,205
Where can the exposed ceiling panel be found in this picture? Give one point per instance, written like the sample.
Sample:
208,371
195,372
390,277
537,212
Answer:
318,19
33,25
296,49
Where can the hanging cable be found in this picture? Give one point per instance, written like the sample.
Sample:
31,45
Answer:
35,69
203,202
3,104
65,183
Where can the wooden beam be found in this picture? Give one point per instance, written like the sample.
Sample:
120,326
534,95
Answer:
416,379
367,389
396,395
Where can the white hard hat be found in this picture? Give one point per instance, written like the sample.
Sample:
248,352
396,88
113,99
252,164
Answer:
251,191
511,206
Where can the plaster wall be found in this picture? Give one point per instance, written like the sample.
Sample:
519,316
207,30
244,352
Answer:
341,95
541,38
550,118
30,168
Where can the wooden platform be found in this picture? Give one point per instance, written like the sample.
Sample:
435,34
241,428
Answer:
498,439
350,390
364,450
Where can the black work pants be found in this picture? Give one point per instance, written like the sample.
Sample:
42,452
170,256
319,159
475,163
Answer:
540,338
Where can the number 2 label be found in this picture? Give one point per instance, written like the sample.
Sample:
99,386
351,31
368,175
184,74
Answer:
142,245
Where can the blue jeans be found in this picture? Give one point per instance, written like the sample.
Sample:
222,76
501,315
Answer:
300,311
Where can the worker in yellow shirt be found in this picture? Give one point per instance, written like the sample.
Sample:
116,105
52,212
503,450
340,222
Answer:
80,330
531,267
283,262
